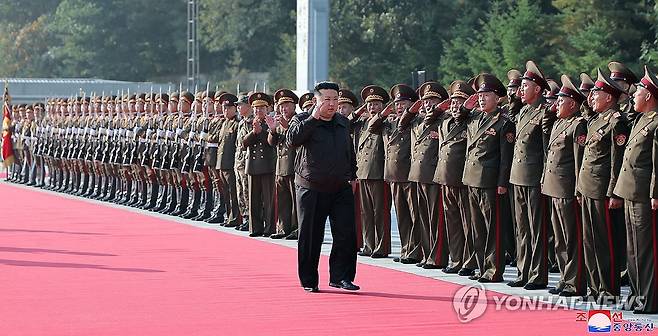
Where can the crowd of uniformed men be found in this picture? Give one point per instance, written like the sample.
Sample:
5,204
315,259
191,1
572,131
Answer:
541,175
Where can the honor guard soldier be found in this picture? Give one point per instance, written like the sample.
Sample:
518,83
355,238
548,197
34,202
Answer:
424,157
397,144
533,128
563,159
375,196
607,134
285,105
638,186
490,145
449,173
260,166
215,209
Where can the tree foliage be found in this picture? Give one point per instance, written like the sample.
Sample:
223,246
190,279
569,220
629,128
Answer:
371,41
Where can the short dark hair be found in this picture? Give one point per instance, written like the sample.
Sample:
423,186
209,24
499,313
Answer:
325,86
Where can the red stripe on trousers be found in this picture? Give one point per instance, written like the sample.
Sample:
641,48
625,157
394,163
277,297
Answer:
387,217
498,271
655,252
579,242
441,224
608,224
544,224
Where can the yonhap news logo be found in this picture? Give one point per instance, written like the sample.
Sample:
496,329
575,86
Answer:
470,302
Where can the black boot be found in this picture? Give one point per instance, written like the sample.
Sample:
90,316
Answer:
172,199
163,195
182,201
153,199
91,185
193,207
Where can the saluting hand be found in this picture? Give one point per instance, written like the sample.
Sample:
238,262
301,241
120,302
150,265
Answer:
415,107
444,105
387,110
360,110
471,102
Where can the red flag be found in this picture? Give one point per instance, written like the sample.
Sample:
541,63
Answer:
7,146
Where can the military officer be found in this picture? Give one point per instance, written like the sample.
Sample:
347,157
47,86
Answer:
347,106
626,79
227,136
260,166
375,198
638,186
564,156
246,119
586,86
490,144
607,134
530,207
514,102
286,102
424,157
397,143
306,101
449,172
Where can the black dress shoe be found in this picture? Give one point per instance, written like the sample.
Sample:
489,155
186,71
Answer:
254,234
396,259
345,284
466,272
242,228
450,270
533,286
420,264
431,266
569,293
516,283
555,291
487,280
215,220
292,236
278,236
407,261
378,256
312,289
363,254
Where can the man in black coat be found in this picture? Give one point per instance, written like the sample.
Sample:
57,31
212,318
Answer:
324,165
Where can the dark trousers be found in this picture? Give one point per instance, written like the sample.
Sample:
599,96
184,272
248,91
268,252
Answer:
285,205
532,234
313,208
486,225
568,232
642,254
598,245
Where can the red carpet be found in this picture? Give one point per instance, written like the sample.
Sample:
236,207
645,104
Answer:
70,267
